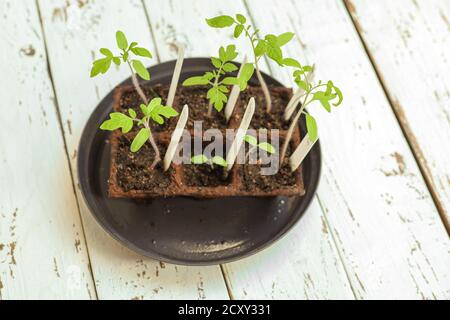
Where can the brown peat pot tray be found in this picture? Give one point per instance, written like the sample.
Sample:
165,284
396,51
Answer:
161,215
131,178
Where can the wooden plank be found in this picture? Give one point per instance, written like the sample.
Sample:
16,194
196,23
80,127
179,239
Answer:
380,212
72,30
412,64
304,264
42,249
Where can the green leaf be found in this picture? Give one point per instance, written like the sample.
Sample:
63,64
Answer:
311,126
116,61
229,67
132,113
220,21
323,99
166,111
240,18
106,52
195,81
260,48
238,30
216,62
121,40
141,70
307,68
100,66
157,118
274,53
132,45
199,159
247,71
145,110
267,147
142,52
219,161
251,140
302,84
153,104
290,62
216,97
339,95
140,139
228,54
230,81
125,56
117,120
223,89
284,38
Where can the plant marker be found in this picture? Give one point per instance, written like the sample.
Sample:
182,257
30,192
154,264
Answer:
290,108
234,94
176,136
241,132
176,75
300,152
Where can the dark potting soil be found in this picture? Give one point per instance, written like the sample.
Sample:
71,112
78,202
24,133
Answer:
273,119
253,179
203,175
132,100
133,168
195,98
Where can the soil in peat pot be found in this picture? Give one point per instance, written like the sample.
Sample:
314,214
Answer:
273,119
133,168
203,175
253,179
132,100
195,98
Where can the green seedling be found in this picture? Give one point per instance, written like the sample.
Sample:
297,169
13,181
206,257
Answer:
202,159
270,45
253,142
102,65
325,92
152,112
217,79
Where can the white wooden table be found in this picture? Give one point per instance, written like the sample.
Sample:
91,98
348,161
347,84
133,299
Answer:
378,227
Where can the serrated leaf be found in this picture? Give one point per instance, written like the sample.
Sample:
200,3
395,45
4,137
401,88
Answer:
240,18
106,52
140,69
284,38
223,89
238,30
228,54
217,98
311,126
132,113
195,81
229,67
216,62
219,161
117,120
121,40
290,62
142,52
140,139
251,140
220,21
199,159
267,147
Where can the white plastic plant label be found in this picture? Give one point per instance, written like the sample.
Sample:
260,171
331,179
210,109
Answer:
176,76
240,134
300,152
176,136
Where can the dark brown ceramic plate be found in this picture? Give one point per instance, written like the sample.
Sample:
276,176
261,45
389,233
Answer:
184,230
